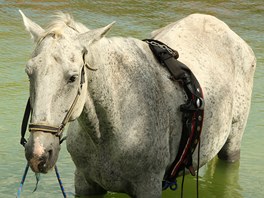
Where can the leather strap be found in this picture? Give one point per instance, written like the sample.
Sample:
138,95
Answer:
33,127
24,124
56,130
43,128
192,110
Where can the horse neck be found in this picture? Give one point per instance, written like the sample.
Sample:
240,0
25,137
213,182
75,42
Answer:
119,61
129,85
116,60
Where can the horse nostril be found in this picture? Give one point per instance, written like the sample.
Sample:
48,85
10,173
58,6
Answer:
50,153
42,166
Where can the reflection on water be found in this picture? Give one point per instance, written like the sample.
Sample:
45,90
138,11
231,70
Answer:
217,179
137,19
223,176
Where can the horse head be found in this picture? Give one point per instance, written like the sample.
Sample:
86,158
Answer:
57,73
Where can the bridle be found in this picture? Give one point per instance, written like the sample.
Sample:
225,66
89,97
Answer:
56,130
33,127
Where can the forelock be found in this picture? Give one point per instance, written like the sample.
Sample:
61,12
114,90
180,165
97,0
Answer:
59,24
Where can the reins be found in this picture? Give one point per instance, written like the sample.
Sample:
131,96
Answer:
23,142
24,178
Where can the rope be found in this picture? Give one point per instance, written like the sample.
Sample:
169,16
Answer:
22,181
197,175
37,178
183,176
60,182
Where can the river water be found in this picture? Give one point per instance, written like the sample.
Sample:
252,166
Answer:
137,18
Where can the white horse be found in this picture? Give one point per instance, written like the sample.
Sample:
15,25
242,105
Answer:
126,120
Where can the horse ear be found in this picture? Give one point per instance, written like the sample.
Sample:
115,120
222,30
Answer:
34,29
94,35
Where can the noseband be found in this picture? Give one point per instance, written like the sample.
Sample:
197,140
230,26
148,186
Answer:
56,130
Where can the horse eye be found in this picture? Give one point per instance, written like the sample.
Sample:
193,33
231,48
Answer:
72,79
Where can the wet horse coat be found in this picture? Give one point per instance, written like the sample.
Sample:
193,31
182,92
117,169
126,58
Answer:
127,124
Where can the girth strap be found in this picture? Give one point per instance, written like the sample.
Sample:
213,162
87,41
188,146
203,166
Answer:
192,110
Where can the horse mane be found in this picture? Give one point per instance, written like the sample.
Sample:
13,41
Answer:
62,21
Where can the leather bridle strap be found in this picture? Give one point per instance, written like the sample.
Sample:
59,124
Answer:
58,130
33,127
52,129
43,128
24,124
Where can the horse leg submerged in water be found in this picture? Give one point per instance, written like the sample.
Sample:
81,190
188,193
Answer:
127,124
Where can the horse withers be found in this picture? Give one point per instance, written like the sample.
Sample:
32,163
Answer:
125,122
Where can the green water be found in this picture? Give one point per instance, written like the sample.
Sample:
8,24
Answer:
243,179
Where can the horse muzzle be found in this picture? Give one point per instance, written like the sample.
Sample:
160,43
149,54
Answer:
42,151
